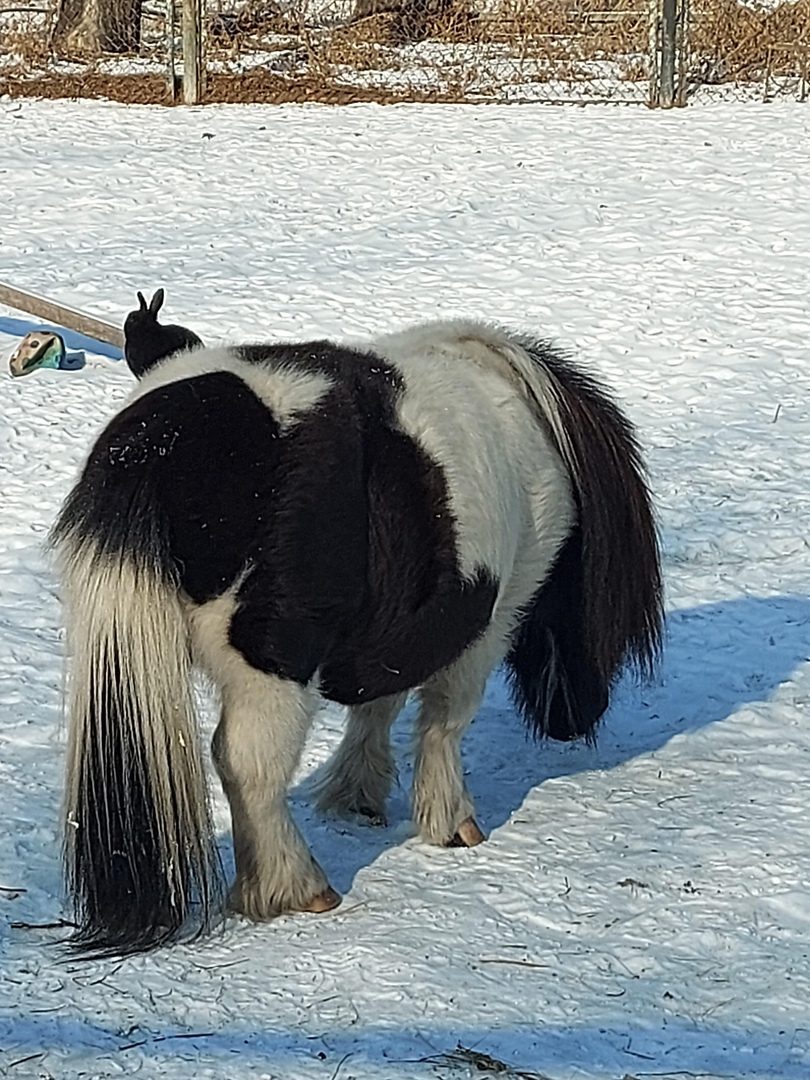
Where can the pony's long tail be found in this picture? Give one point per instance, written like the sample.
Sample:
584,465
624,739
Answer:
139,856
601,608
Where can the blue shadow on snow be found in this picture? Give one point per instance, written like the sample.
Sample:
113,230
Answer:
72,339
614,1048
718,658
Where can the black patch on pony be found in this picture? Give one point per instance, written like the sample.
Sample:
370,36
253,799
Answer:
370,381
420,613
561,693
358,577
146,342
177,482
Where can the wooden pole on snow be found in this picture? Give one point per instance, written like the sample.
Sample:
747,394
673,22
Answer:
60,315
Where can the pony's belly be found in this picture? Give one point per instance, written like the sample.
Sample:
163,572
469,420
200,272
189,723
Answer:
344,689
398,651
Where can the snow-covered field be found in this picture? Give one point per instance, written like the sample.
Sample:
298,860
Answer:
641,908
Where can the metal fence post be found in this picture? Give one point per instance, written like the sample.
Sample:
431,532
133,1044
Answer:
653,30
192,52
669,38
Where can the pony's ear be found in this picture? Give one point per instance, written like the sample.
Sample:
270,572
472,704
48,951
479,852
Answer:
142,301
156,303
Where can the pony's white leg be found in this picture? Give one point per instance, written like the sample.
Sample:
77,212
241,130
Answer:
359,777
257,746
442,807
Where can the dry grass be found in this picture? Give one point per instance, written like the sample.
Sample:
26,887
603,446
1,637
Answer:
730,41
467,49
257,86
443,50
28,52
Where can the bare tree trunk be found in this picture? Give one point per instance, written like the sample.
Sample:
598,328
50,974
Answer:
98,26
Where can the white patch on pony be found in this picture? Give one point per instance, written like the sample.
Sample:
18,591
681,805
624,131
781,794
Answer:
287,393
466,404
257,747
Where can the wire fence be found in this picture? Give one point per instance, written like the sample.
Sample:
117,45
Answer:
655,52
749,49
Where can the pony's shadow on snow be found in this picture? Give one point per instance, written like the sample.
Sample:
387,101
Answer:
718,658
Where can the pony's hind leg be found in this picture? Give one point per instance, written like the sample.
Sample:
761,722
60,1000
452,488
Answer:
359,777
256,748
443,809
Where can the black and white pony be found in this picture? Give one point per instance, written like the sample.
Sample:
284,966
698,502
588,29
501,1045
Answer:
310,521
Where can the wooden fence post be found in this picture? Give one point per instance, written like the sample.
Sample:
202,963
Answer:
171,66
192,52
682,46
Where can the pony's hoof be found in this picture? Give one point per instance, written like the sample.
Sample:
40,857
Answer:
467,834
325,901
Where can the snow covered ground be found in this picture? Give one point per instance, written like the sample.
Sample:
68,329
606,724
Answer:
641,908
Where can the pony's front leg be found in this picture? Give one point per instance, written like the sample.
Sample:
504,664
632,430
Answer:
443,809
256,748
359,777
